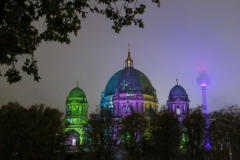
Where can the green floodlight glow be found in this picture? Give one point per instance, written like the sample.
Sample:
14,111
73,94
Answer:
76,115
183,141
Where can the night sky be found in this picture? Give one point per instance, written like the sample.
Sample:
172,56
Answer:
178,38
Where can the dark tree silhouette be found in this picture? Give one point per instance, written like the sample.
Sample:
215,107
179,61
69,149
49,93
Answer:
100,141
165,136
133,129
31,133
224,133
195,132
19,37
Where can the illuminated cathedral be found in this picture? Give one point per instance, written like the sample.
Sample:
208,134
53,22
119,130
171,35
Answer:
127,91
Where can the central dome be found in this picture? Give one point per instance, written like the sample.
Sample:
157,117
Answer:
129,80
129,90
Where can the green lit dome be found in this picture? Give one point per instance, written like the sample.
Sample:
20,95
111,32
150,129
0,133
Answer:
76,92
129,80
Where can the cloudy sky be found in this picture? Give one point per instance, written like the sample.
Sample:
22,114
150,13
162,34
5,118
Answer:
178,38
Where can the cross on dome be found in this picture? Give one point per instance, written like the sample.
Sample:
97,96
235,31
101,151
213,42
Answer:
124,85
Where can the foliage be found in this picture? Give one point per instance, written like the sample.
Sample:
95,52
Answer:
225,131
196,132
33,133
19,37
100,142
132,132
165,136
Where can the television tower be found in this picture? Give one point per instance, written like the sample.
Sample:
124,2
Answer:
203,80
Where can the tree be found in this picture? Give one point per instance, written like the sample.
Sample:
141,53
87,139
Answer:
19,37
196,132
133,128
164,142
100,140
31,133
224,133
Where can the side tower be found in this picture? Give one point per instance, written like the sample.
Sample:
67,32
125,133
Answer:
129,90
178,102
76,115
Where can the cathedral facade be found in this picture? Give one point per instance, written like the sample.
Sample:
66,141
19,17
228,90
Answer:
127,91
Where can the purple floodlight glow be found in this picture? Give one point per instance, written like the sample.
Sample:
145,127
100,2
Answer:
203,78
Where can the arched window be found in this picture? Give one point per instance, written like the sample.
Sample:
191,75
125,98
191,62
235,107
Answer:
73,139
178,110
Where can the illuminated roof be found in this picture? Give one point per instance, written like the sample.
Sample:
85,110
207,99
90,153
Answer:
76,92
129,80
177,90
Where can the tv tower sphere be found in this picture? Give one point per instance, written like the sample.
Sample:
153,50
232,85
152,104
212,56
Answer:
203,79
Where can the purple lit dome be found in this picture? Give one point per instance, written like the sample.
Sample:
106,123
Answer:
177,90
